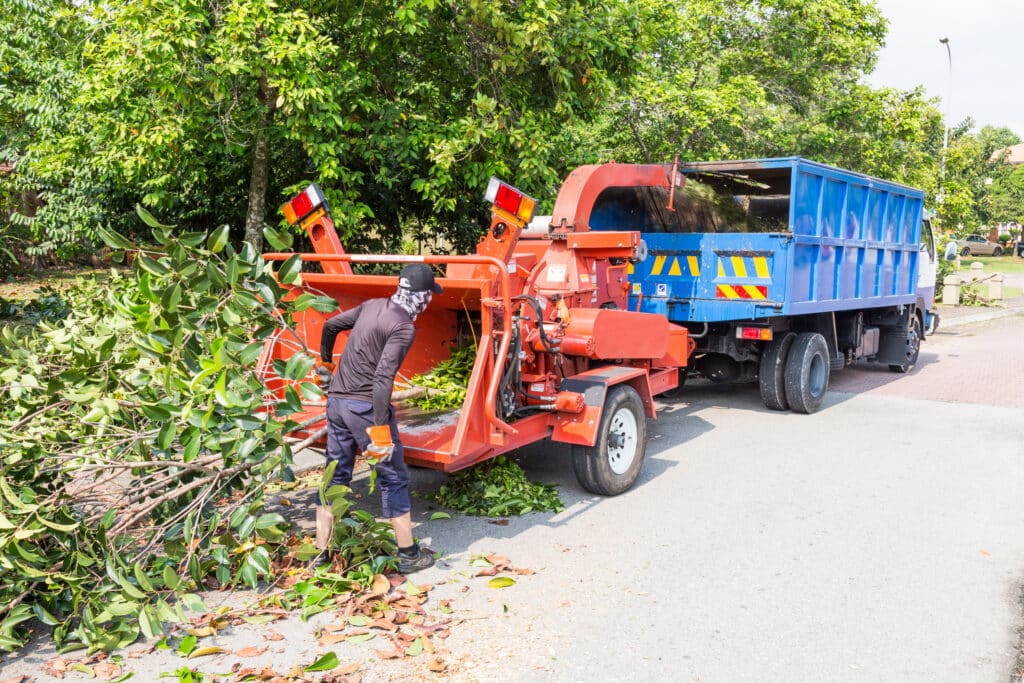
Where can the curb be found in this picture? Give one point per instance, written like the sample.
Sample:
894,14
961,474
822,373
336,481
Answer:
995,314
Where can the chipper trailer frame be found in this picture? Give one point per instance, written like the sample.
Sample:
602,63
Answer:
558,354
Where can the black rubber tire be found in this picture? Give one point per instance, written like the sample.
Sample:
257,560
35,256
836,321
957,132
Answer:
593,465
998,251
807,372
914,336
771,376
966,251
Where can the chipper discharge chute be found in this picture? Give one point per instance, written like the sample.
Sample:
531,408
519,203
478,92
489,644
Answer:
557,353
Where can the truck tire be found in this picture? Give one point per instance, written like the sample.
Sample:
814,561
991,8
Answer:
612,465
807,371
771,375
913,347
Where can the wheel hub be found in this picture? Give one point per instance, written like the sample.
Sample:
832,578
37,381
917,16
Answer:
622,441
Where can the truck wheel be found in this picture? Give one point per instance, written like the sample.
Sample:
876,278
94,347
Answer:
913,347
807,370
613,463
771,373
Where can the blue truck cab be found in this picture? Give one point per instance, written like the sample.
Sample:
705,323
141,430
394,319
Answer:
783,270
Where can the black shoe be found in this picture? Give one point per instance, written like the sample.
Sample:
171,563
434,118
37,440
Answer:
410,565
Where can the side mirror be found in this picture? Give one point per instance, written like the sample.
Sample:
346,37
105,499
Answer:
951,250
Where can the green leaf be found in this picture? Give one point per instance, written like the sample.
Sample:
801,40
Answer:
440,515
326,663
290,270
148,218
277,239
187,645
114,239
171,579
501,582
193,602
415,649
218,239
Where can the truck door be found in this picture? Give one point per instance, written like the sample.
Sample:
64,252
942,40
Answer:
928,265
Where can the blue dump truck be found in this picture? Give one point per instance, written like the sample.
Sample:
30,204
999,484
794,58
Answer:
782,270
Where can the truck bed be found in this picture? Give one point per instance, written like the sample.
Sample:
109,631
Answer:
763,238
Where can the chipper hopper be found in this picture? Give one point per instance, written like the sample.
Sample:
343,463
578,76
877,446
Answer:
558,354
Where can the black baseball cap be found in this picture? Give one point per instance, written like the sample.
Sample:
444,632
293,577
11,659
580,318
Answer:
418,277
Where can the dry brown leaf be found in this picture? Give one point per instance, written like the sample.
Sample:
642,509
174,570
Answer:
437,665
106,670
389,654
17,679
250,651
381,585
261,674
498,560
383,624
985,552
428,645
417,619
464,589
272,635
203,631
489,571
524,572
350,669
340,626
284,501
396,580
332,639
498,522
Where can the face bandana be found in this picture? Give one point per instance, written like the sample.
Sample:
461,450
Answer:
411,302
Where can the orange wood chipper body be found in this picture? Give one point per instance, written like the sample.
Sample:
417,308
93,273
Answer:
558,354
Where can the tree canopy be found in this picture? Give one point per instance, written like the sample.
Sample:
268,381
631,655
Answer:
214,113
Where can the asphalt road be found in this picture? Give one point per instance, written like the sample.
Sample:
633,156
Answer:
881,539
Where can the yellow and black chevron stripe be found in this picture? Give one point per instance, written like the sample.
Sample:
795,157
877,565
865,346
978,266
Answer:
741,292
678,266
743,266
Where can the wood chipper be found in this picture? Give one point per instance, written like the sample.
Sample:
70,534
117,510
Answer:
558,354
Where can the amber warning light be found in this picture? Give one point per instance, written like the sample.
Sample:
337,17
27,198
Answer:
304,204
509,200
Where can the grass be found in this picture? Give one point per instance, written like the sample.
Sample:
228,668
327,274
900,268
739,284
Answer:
995,264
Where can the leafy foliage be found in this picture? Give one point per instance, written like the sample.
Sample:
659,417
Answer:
137,440
494,488
446,382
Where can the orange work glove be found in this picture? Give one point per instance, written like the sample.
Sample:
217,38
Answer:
381,446
324,371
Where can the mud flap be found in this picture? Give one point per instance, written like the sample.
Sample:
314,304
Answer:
582,429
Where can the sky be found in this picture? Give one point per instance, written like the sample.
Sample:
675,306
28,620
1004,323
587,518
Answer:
986,41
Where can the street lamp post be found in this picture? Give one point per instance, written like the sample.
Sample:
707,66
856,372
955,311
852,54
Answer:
945,137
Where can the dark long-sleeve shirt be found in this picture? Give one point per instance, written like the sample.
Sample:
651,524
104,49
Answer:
381,336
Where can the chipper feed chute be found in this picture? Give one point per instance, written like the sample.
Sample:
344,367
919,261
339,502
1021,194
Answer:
557,354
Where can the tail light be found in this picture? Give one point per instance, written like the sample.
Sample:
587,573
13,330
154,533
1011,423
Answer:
509,200
754,333
304,204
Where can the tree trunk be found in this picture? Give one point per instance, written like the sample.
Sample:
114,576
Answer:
258,181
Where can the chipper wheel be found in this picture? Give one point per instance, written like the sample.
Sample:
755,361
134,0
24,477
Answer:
613,463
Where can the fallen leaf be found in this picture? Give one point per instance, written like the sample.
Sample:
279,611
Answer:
464,589
498,522
284,501
381,585
411,588
106,670
17,679
437,665
384,624
428,645
416,649
389,654
205,651
361,637
350,669
262,674
440,515
250,651
524,572
203,632
332,639
498,560
501,582
490,571
326,663
985,552
272,635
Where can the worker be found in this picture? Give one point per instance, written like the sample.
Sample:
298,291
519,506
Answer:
360,417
